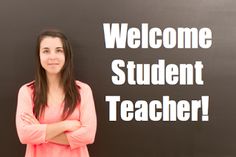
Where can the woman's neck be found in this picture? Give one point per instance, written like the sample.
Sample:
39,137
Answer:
55,95
54,82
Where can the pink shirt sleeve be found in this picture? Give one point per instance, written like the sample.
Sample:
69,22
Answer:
28,134
86,133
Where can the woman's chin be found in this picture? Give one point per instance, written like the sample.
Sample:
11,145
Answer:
52,73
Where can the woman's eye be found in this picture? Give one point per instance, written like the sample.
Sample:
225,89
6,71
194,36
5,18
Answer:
60,51
45,51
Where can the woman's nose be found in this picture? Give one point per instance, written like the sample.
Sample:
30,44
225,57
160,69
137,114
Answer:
53,55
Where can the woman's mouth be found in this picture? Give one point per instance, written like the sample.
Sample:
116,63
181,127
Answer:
53,63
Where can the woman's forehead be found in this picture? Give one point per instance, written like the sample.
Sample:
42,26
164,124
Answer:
51,42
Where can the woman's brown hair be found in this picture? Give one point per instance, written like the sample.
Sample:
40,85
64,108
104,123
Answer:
72,96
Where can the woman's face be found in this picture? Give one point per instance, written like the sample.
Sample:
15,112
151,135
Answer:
52,56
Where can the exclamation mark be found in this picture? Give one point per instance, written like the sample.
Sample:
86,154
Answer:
205,107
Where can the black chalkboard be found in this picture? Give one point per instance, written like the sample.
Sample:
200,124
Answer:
82,22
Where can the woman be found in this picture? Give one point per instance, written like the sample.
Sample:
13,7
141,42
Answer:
55,114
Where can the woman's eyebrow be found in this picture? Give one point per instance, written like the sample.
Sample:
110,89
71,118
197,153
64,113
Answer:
56,48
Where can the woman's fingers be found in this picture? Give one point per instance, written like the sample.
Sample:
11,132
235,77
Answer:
24,118
29,118
72,125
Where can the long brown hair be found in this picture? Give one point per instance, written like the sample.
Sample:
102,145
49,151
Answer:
72,96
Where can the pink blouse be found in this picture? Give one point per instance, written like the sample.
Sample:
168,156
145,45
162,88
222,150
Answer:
34,135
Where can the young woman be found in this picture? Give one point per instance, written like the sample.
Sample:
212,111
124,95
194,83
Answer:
55,114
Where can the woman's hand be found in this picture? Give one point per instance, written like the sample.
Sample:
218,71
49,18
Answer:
29,118
72,125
